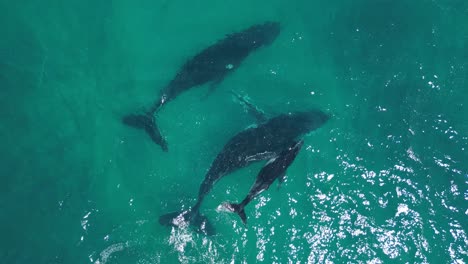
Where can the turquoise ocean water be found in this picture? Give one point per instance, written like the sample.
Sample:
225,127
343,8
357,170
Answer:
384,181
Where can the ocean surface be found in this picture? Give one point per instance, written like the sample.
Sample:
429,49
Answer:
384,181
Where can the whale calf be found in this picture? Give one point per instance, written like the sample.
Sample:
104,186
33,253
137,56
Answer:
274,169
263,142
211,65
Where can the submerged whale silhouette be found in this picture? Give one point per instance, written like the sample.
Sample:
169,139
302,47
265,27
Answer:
210,65
274,169
264,142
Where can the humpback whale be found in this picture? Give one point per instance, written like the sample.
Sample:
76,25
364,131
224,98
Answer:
263,142
211,65
274,169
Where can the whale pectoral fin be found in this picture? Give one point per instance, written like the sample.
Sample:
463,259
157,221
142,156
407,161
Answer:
261,156
252,109
258,114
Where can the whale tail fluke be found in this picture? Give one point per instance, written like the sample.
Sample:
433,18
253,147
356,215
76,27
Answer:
188,218
146,122
238,209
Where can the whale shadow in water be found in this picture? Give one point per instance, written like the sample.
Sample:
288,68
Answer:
269,140
211,65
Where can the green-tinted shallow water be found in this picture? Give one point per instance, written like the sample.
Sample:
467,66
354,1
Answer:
384,181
